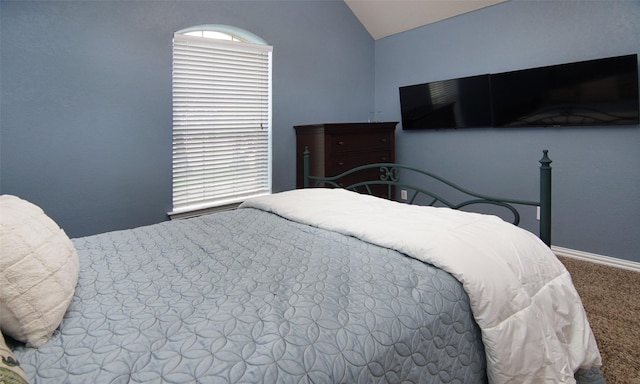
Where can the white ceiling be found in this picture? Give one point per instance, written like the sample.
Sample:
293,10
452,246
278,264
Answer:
383,18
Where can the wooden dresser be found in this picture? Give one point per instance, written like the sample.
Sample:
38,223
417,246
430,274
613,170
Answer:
338,147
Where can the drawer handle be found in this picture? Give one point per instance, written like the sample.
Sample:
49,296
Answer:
383,140
340,142
340,163
383,158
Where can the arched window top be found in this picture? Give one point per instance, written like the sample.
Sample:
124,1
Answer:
223,32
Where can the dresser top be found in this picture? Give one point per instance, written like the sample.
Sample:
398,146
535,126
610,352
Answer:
338,127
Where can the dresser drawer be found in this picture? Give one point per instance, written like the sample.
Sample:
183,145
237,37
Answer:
338,164
351,143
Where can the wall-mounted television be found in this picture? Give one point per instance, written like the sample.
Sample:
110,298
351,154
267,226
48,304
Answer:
597,92
594,92
454,103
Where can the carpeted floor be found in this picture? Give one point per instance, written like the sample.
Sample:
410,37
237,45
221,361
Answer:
611,297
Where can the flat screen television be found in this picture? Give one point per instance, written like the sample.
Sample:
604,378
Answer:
454,103
587,93
597,92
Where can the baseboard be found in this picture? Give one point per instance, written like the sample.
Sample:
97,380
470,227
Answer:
595,258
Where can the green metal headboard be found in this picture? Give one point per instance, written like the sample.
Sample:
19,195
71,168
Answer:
390,177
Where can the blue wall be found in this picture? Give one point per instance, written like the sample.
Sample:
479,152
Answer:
85,123
596,181
85,129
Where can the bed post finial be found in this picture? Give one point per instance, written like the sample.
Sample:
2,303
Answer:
545,198
305,156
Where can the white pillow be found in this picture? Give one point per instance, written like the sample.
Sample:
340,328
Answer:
38,272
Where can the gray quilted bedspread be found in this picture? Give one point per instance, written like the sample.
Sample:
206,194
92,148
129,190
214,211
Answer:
248,297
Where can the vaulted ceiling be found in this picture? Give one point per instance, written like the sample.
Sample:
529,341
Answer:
383,18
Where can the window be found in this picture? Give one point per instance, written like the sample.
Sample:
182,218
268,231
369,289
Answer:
221,117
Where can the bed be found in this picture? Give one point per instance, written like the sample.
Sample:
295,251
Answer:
316,285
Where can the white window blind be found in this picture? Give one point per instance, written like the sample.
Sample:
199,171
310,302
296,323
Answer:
221,122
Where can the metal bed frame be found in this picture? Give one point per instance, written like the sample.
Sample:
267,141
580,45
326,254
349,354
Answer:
390,177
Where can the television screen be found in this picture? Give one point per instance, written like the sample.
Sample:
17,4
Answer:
454,103
594,92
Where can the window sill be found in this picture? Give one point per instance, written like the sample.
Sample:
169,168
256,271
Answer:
202,211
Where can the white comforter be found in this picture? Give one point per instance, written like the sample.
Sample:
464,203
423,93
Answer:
533,324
